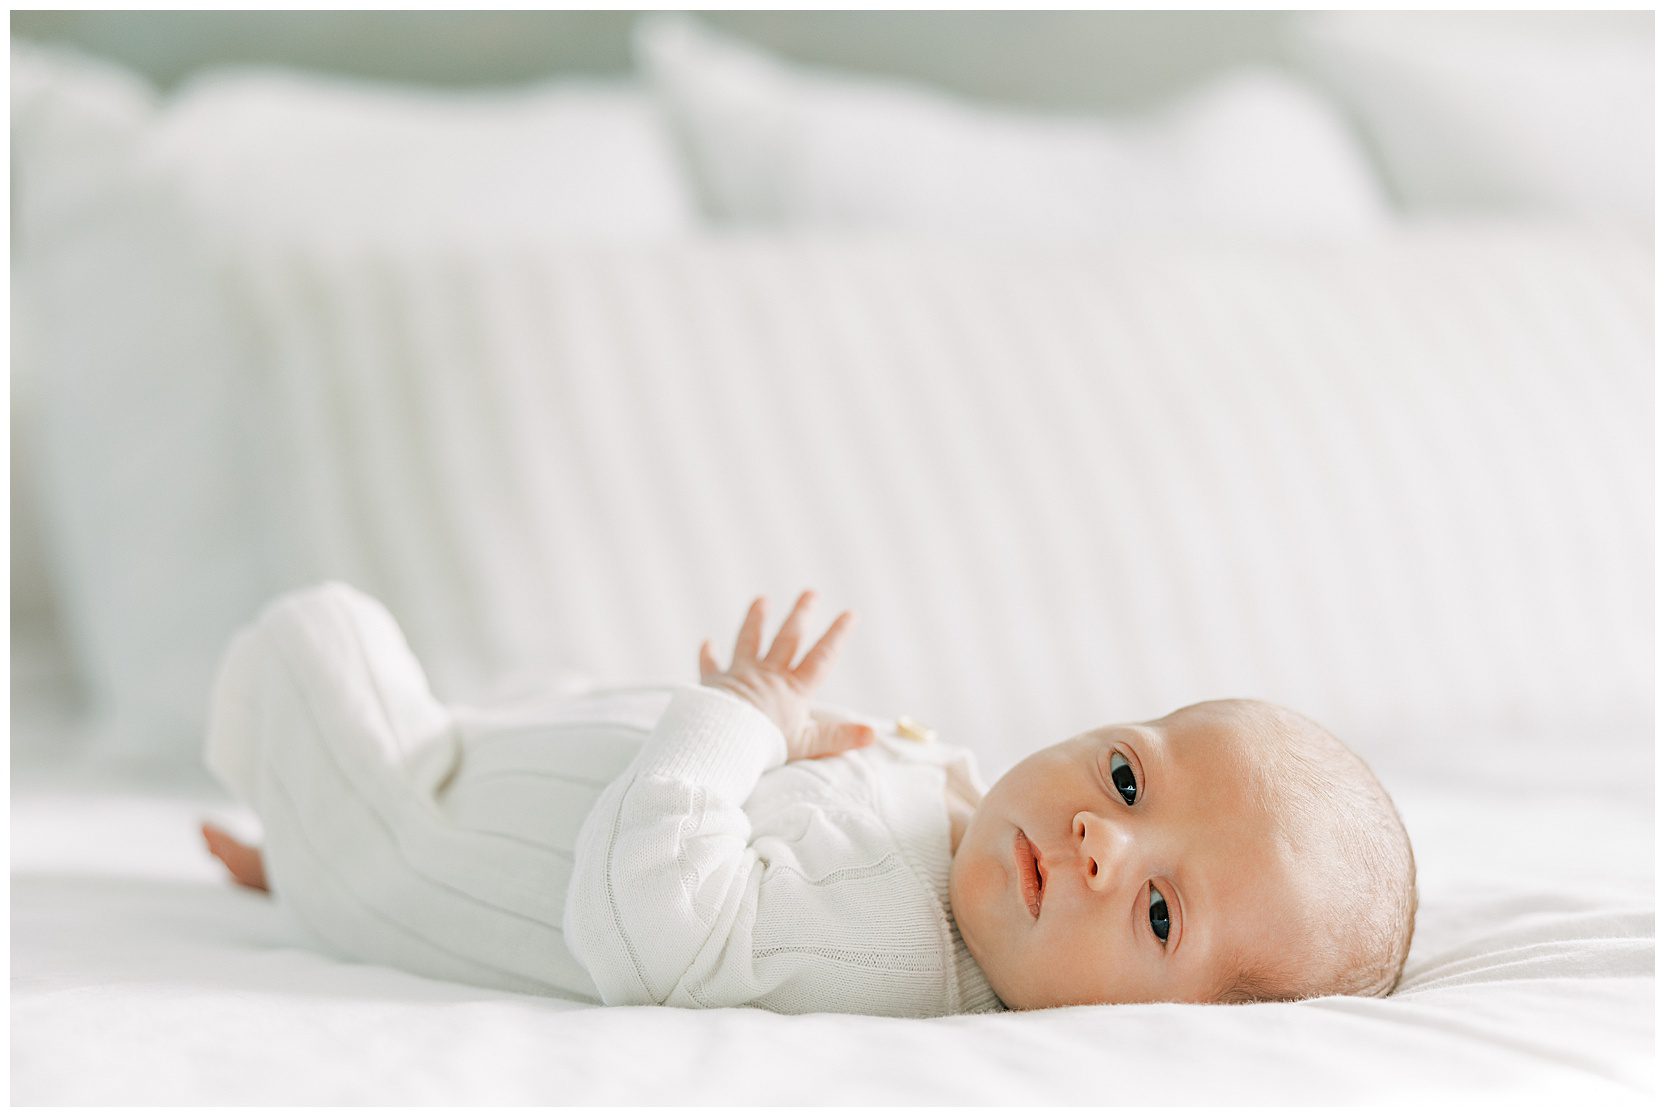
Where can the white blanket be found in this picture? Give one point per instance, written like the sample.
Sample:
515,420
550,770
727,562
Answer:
140,976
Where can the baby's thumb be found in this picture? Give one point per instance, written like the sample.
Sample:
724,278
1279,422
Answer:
830,740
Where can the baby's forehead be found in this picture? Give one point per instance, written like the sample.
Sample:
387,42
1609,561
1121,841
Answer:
1258,751
1227,731
1243,713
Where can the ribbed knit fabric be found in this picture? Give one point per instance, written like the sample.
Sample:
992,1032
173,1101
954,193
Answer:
630,844
1402,487
711,873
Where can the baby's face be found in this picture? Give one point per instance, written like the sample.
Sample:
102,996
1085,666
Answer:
1194,857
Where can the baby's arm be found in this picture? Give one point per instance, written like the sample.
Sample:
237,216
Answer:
665,882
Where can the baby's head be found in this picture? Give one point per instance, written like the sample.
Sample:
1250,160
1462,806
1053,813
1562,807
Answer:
1254,842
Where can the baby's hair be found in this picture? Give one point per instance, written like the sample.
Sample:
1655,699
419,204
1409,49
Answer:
1335,813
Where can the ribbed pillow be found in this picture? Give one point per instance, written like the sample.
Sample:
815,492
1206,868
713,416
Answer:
1403,487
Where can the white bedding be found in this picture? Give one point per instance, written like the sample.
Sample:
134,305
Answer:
138,976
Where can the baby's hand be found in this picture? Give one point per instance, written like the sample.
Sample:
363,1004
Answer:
782,691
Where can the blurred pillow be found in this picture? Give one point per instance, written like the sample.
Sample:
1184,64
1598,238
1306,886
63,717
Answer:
1402,486
1254,153
574,157
127,207
1545,111
92,115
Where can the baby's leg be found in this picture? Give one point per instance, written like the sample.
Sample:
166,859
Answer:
323,722
243,861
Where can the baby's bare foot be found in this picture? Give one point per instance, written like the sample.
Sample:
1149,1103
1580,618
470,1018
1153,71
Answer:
243,861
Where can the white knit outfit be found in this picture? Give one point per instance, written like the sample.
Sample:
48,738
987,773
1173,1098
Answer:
640,845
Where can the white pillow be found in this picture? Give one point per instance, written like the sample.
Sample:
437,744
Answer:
99,107
1402,486
569,157
1254,153
128,207
1542,111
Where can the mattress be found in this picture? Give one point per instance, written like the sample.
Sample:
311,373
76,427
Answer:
140,976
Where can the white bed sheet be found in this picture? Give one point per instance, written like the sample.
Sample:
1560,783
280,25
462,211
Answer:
139,976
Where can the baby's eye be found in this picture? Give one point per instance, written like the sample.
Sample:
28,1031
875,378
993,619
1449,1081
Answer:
1158,914
1121,774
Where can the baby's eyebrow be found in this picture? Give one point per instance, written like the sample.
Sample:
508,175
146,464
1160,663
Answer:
1146,741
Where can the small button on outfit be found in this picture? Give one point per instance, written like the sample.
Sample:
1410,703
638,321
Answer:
914,731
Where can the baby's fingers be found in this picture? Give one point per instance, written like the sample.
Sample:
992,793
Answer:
831,738
708,662
751,634
786,640
818,661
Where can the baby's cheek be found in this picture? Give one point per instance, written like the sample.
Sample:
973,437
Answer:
975,886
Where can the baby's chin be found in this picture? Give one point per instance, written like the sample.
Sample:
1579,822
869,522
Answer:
978,930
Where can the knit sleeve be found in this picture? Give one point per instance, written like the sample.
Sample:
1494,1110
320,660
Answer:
663,869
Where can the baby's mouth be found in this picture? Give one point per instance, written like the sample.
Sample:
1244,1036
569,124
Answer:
1033,881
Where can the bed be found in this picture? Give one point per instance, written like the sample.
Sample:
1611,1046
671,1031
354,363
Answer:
140,976
1395,473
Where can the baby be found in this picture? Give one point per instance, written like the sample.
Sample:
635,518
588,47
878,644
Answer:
733,843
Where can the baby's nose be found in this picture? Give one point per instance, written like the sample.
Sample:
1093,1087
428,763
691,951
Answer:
1103,851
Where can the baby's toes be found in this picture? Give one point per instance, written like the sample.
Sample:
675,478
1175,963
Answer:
219,842
243,862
